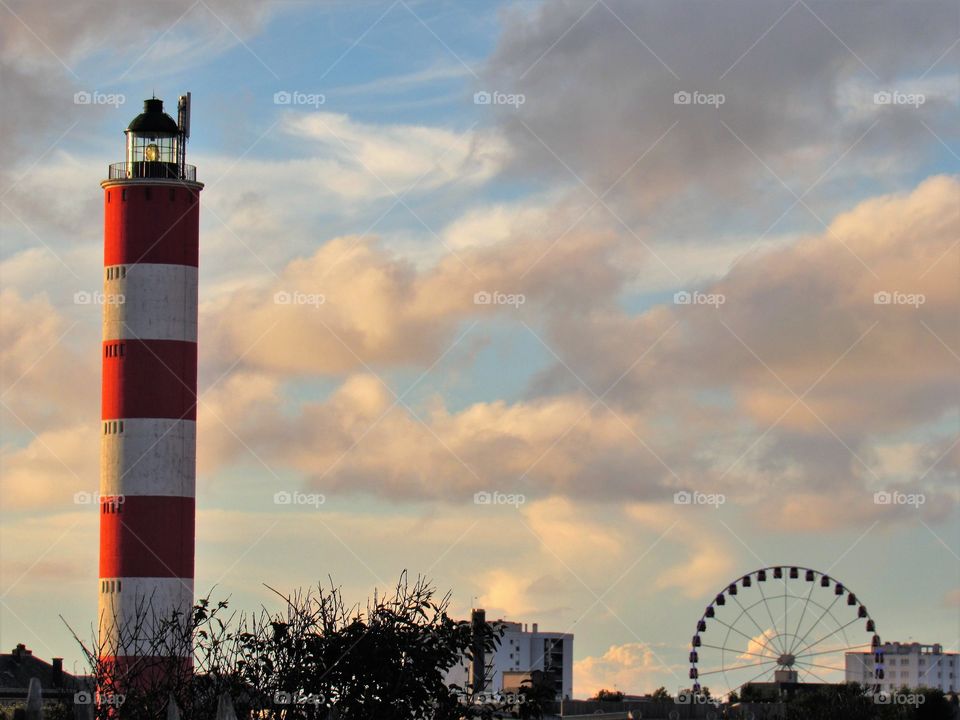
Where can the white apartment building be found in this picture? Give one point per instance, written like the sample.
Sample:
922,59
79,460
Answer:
522,650
906,665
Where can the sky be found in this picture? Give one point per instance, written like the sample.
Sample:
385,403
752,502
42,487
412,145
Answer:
582,256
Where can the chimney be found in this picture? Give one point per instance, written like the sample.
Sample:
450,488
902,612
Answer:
20,651
535,627
56,673
478,667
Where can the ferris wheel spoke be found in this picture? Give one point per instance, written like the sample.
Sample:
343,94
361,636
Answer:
763,633
734,650
815,623
811,672
786,622
737,667
842,630
758,675
806,604
740,632
773,623
839,629
828,652
822,667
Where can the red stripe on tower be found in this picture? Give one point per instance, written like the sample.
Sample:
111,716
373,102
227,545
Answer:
149,392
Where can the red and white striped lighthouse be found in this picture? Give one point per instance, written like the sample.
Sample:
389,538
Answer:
148,428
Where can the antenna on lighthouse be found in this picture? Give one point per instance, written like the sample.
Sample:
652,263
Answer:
183,115
183,125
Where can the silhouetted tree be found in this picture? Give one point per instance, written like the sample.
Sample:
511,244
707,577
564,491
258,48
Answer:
608,696
317,658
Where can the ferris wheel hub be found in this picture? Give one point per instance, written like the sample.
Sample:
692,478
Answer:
786,660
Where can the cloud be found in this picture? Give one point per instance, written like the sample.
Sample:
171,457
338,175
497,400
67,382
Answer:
707,559
796,386
595,108
354,303
633,668
370,161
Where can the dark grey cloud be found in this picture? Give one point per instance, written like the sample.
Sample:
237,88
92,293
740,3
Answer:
599,86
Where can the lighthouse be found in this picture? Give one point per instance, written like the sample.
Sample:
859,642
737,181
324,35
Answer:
149,390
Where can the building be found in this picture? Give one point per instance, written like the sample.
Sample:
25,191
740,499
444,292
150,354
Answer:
149,391
522,651
909,665
20,665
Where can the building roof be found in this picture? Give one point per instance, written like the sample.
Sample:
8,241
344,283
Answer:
17,667
153,119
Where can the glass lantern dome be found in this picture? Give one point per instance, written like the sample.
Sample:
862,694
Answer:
154,144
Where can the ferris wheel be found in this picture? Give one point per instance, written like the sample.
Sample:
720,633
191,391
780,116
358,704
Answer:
783,624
